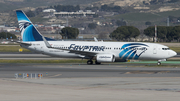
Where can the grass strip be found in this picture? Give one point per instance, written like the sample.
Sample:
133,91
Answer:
176,49
12,49
153,62
43,61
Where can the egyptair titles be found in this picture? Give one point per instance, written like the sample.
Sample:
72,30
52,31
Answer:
86,48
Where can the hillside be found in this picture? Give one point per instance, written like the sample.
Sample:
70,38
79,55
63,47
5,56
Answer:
7,5
141,5
137,12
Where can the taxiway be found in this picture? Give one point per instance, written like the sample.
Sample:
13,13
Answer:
81,82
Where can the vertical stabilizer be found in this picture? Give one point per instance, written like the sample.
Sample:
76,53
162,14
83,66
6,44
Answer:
27,29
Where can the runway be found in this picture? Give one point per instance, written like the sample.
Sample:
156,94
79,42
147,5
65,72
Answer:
81,82
83,70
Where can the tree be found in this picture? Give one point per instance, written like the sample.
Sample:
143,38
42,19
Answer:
92,8
38,10
175,33
68,8
30,14
154,1
77,8
121,23
164,33
69,33
104,7
124,32
149,31
148,23
8,35
95,16
110,9
92,26
133,31
169,31
102,35
116,8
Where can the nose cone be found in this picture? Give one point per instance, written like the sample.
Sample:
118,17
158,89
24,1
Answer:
173,53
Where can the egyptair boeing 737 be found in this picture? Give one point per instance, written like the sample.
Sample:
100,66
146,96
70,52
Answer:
33,40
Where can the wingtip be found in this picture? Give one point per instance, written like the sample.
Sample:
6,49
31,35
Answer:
46,43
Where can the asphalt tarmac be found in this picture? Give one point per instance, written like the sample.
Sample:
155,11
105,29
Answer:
81,82
83,70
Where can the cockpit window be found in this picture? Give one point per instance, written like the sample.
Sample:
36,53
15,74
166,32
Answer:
165,49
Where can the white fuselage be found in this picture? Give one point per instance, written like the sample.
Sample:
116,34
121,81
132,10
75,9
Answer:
33,40
121,50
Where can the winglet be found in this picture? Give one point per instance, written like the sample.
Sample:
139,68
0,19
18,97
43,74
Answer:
95,39
46,43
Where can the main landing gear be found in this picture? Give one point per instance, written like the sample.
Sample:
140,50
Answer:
90,62
97,63
159,63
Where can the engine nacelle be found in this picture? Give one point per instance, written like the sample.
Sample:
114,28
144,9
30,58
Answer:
105,58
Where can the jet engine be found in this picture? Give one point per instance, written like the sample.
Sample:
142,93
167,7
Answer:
105,58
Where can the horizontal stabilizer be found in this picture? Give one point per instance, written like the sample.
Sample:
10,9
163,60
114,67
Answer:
21,42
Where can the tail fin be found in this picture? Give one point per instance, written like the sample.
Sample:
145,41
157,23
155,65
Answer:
27,29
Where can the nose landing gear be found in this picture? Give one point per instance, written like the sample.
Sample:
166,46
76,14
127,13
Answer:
159,61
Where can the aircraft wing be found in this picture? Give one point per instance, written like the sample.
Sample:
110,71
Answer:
20,42
83,53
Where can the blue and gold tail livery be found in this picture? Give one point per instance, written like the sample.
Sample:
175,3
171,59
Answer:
27,29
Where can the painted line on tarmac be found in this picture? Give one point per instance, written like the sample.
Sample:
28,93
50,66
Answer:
56,75
167,62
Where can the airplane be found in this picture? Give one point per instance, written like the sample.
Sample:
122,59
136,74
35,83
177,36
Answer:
99,51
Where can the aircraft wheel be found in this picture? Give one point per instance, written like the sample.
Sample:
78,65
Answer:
89,62
98,63
159,63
